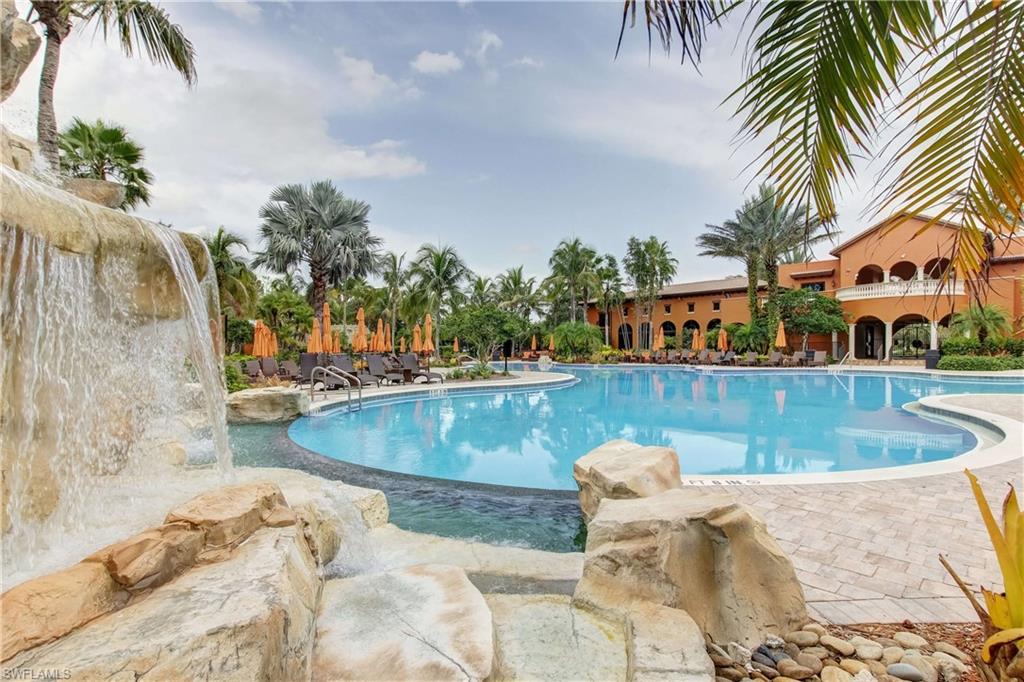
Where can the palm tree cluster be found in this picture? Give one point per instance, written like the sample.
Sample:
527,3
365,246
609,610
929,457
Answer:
650,267
105,152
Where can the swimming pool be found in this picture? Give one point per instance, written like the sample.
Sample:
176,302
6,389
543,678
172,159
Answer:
721,424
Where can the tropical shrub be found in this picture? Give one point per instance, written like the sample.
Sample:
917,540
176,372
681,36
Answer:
484,328
807,312
233,378
605,356
980,363
577,339
752,336
1002,618
105,152
960,345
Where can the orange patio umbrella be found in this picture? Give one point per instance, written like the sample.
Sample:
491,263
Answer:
315,343
273,343
337,343
780,336
328,342
695,340
257,339
455,345
359,342
723,339
379,336
388,346
551,343
428,335
533,343
417,346
401,345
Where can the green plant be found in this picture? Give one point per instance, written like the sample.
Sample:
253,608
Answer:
650,266
439,272
980,363
484,328
576,340
105,152
808,312
573,270
457,374
752,336
233,378
982,321
960,345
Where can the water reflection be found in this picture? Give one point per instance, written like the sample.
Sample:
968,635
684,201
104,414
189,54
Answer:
719,424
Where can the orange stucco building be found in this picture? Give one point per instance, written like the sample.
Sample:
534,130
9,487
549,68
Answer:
886,277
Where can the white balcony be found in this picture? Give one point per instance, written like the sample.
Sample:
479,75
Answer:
917,287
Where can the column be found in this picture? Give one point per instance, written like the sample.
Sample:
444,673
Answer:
835,346
920,273
885,275
888,340
852,340
933,335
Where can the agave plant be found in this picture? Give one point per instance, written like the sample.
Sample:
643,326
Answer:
1002,617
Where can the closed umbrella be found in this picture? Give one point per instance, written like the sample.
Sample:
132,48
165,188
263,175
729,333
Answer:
455,345
337,342
723,339
533,343
695,340
551,343
273,343
428,335
359,342
417,346
328,337
388,346
780,336
401,345
257,339
379,336
315,344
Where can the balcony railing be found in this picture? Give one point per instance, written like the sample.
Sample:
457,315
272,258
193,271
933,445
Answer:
917,287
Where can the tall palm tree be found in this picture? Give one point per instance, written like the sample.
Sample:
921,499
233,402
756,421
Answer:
105,152
319,227
650,266
572,266
237,285
610,293
394,276
822,78
480,291
983,321
439,271
517,292
736,239
140,26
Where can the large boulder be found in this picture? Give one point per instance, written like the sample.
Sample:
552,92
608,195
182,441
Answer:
230,514
18,45
666,644
621,470
250,617
697,551
270,404
16,151
152,557
102,192
425,622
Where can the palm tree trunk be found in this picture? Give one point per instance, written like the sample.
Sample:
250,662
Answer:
771,275
752,288
572,303
607,325
57,29
317,273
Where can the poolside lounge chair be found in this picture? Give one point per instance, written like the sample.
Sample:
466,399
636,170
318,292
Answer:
749,360
345,364
684,357
410,363
671,358
269,367
375,366
700,358
818,360
774,360
289,370
726,359
792,360
307,362
252,369
714,357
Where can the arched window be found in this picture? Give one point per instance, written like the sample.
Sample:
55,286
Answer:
869,274
625,336
714,323
904,271
668,329
936,268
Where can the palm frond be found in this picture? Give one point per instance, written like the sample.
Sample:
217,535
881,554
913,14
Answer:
687,20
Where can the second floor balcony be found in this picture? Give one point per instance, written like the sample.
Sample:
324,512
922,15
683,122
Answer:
896,289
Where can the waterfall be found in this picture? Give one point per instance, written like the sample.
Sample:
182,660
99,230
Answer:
109,369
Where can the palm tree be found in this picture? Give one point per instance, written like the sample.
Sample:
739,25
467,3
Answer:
395,276
319,227
105,152
736,239
517,292
140,26
610,293
983,321
821,82
480,290
572,266
650,266
237,285
439,271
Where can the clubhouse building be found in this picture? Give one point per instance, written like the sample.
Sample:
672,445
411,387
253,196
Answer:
887,278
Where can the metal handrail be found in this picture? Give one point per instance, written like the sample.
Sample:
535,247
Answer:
845,358
337,373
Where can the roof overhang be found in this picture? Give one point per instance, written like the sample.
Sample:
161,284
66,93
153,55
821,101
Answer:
804,274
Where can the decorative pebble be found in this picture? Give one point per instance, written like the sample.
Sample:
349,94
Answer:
950,667
947,648
869,652
773,642
791,649
715,649
833,674
885,641
927,670
719,678
720,661
768,671
864,676
816,628
852,666
792,669
904,671
892,654
876,667
739,653
758,657
840,646
820,652
732,674
778,655
781,678
802,638
809,661
908,640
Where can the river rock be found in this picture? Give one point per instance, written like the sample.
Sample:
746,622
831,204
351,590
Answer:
852,665
664,644
768,671
738,652
790,668
248,617
892,654
230,513
840,646
544,637
947,648
820,652
877,668
816,628
268,404
153,556
905,671
864,676
731,673
833,673
802,638
950,667
809,661
698,551
19,43
620,470
420,622
909,640
869,652
927,670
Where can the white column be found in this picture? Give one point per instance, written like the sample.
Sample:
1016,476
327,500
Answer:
885,275
888,340
835,345
933,336
852,341
920,273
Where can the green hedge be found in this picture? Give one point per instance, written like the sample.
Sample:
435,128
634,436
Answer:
960,345
980,363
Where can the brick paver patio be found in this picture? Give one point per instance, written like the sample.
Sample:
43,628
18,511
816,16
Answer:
868,552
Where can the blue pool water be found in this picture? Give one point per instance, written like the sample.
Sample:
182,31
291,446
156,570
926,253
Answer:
720,424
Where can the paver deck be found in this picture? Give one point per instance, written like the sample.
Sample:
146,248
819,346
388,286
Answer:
868,552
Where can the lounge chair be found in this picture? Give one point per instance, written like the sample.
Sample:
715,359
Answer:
252,369
345,364
713,357
671,358
700,358
375,366
684,357
774,360
409,362
726,359
269,367
307,363
749,360
289,370
818,360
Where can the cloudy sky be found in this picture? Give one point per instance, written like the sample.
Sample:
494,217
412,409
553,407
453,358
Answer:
497,127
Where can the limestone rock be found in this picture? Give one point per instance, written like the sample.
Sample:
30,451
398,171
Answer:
102,192
833,673
927,670
620,470
270,404
544,637
152,557
816,628
666,644
802,638
16,151
697,551
892,654
950,667
905,671
18,45
48,607
840,646
421,622
229,514
250,617
947,648
909,640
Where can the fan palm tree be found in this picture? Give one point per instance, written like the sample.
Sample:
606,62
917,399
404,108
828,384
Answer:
983,321
105,152
439,272
321,228
822,78
140,26
572,266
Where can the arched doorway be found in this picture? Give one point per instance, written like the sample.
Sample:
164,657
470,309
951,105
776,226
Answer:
625,336
644,340
689,328
869,274
904,271
868,341
936,268
714,323
911,336
668,330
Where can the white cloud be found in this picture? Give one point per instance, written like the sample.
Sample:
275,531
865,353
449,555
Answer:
436,63
246,10
484,42
527,62
369,85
